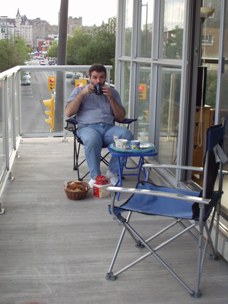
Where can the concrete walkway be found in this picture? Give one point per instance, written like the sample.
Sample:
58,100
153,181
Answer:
57,251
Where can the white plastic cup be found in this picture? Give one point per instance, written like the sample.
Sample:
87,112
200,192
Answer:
121,143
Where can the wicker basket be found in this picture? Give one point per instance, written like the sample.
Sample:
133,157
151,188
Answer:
76,190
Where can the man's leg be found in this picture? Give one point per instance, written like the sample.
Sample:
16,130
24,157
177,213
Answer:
92,141
120,132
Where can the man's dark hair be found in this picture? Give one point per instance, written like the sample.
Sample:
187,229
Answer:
98,68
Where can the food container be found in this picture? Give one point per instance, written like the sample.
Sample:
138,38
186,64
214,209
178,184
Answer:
102,180
135,144
101,190
76,190
100,186
121,143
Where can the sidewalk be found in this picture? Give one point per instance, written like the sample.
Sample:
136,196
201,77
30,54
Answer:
57,251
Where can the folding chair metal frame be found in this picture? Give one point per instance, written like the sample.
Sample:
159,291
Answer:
191,209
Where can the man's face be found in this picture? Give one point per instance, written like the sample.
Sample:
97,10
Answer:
97,77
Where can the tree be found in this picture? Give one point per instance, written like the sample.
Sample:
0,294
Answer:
103,47
173,44
13,52
77,47
53,50
96,45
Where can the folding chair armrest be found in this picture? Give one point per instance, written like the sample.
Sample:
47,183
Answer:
127,121
196,199
71,124
168,166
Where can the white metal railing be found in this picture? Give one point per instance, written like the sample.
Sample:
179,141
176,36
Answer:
12,116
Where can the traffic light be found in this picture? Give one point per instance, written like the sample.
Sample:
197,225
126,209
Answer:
51,83
50,104
142,91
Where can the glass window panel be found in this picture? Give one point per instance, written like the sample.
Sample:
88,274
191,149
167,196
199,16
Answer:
224,110
125,83
172,29
210,48
210,29
211,84
2,154
142,101
145,31
170,80
127,35
11,113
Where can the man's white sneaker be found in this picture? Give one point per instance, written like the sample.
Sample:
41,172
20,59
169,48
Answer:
91,183
112,177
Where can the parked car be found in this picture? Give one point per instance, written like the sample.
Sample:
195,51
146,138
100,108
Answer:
26,79
69,74
51,62
42,62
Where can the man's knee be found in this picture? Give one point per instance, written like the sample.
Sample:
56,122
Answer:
92,141
128,134
90,137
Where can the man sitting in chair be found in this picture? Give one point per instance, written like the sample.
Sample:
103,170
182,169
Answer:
97,107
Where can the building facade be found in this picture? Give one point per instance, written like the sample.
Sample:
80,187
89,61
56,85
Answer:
33,30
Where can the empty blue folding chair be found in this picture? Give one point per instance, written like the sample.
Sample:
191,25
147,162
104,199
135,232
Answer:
191,209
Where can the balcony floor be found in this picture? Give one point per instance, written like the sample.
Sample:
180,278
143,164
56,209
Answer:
57,251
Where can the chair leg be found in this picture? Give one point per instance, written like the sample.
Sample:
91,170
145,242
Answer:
75,151
104,160
77,164
214,253
110,276
218,210
151,251
197,292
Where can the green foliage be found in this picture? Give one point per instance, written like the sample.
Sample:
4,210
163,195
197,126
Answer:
77,47
173,45
12,53
53,50
211,88
86,47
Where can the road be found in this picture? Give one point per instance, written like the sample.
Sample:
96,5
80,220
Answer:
32,107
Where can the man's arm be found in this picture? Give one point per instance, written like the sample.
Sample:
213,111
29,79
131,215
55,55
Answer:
73,106
118,110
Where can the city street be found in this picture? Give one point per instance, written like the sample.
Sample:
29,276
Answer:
32,107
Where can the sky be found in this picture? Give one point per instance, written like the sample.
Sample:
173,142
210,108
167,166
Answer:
91,11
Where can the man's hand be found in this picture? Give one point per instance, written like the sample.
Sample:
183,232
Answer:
87,90
118,111
107,91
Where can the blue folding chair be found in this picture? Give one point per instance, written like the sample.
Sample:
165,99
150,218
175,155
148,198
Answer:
191,209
